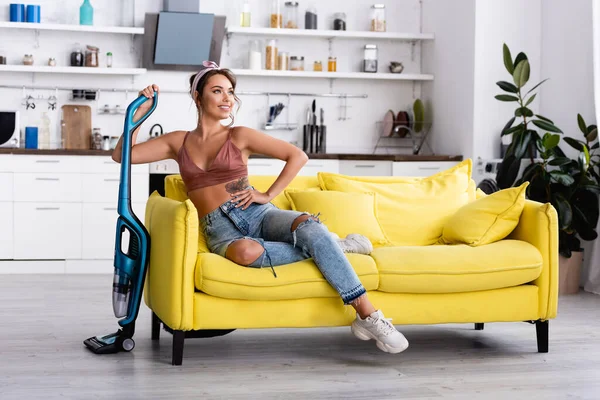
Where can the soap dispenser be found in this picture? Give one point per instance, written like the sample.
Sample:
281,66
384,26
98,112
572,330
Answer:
86,13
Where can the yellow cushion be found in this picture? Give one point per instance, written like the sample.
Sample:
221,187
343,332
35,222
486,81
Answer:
342,213
217,276
486,220
175,188
412,211
459,268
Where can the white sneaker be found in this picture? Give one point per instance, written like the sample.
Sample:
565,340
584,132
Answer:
355,243
377,327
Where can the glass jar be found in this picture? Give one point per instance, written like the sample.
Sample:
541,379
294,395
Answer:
245,14
271,54
332,64
339,21
378,18
255,55
291,15
76,56
28,59
276,17
91,56
109,60
283,61
370,58
52,62
318,66
297,63
310,18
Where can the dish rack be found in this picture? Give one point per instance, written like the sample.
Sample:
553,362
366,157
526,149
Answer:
411,135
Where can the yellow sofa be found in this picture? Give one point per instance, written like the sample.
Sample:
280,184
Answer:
195,293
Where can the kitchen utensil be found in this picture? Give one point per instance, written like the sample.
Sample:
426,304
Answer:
306,132
402,123
388,123
313,131
323,133
76,126
154,134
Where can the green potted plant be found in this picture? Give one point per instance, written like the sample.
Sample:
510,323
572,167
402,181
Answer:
571,185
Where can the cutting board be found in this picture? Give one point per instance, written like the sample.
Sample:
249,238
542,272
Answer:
76,127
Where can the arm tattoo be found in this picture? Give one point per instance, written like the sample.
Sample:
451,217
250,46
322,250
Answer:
236,186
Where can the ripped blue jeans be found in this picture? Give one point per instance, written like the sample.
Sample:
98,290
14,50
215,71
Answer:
271,227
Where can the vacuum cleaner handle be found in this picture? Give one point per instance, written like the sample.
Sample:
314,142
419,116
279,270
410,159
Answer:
129,128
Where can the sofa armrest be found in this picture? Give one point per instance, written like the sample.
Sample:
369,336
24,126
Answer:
538,225
169,287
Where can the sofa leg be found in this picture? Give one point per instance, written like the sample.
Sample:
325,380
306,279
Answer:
478,326
541,329
155,327
178,338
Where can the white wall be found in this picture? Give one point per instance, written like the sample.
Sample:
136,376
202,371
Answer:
357,135
567,59
516,23
451,58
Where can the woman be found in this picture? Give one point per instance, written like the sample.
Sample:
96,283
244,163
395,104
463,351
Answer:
239,222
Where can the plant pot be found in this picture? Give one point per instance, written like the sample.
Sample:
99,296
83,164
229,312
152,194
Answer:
569,273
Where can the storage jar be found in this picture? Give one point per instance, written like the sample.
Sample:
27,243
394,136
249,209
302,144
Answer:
378,18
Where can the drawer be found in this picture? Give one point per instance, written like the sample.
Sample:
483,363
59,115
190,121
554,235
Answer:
43,163
312,167
106,165
265,166
48,231
6,186
99,188
6,230
6,163
99,229
421,169
365,168
52,187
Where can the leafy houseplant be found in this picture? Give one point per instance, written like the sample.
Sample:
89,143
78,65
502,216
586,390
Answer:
570,185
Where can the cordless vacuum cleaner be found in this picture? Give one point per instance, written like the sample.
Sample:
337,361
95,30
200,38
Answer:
131,262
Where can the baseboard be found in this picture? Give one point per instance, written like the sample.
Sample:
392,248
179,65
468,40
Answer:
56,267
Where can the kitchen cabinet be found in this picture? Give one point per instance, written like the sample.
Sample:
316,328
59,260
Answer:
47,231
6,230
365,168
420,168
99,229
63,207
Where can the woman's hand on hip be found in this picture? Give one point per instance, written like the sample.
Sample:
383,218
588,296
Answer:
245,197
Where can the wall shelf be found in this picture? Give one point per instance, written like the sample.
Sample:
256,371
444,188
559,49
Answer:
73,28
333,75
330,34
72,70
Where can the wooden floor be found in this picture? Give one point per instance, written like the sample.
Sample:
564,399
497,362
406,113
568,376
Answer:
44,319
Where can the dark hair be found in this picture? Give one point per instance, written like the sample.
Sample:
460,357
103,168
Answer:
202,82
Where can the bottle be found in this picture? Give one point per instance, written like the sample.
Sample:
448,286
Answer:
109,60
255,55
86,13
245,17
44,133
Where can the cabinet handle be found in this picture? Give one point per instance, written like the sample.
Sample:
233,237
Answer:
315,165
47,208
111,179
47,179
110,208
109,162
365,166
48,161
429,168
